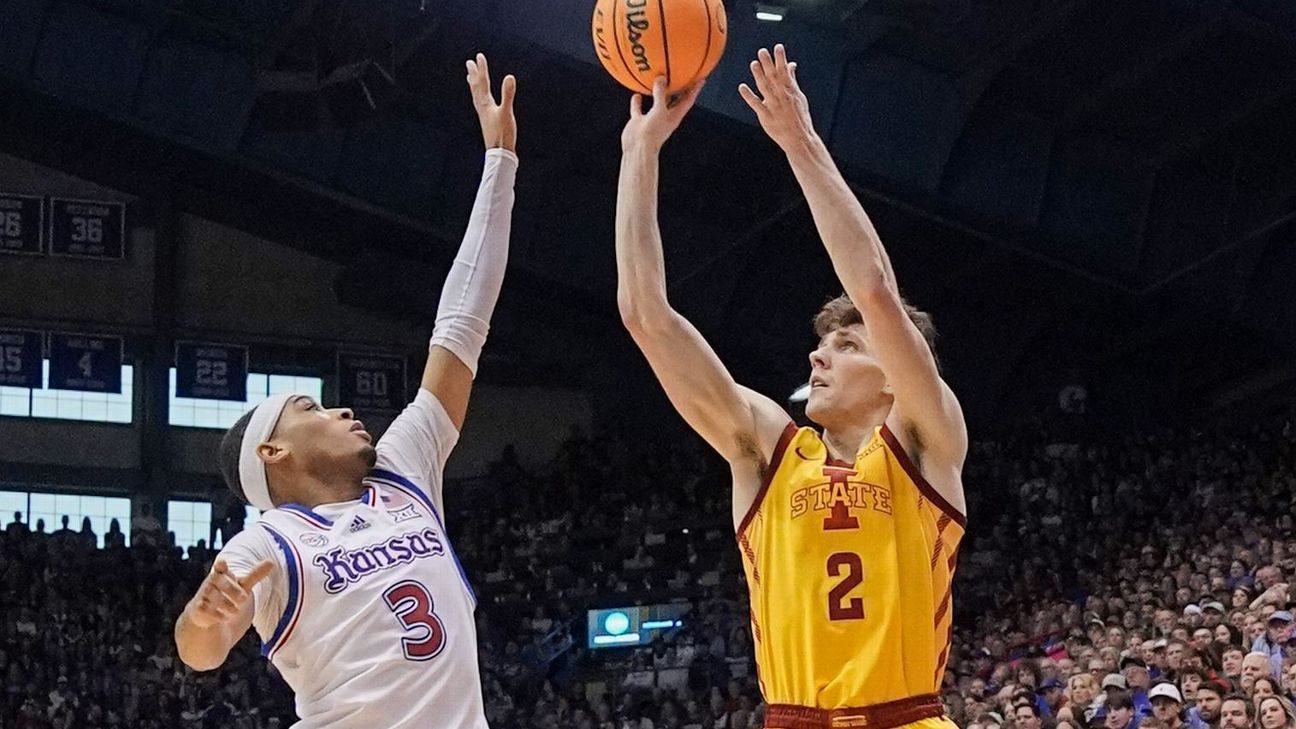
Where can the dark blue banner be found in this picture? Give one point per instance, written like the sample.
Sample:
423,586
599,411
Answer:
86,362
211,371
20,359
87,229
373,382
22,222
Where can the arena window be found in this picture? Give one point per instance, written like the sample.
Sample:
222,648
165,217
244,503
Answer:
190,521
98,407
52,507
221,414
251,515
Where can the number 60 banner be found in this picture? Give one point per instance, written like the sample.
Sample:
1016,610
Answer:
211,371
373,382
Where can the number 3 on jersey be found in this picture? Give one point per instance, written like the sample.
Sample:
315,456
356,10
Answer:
413,606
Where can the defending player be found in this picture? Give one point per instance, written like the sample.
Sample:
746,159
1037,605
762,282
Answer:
848,537
349,577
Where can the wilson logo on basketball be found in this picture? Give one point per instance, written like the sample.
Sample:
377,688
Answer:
636,24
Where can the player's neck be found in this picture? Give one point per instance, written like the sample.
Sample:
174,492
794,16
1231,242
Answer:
844,440
316,491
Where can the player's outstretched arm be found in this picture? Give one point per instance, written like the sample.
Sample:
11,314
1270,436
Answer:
741,425
473,285
925,402
217,616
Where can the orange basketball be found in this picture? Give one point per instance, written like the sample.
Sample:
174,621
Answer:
639,40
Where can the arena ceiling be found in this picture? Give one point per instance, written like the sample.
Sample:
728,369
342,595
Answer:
1072,186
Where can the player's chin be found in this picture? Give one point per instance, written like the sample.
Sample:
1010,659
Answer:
369,455
816,409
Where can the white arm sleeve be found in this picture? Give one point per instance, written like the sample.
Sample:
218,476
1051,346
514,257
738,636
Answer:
473,285
418,443
244,552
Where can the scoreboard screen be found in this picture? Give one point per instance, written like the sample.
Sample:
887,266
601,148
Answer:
633,626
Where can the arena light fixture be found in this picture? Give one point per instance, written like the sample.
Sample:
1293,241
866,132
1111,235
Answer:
770,13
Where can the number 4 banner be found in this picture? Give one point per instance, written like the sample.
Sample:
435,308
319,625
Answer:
373,382
85,362
211,371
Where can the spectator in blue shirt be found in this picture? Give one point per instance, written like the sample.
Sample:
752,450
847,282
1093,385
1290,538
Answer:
1274,638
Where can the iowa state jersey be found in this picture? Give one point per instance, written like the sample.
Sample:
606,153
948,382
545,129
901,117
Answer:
369,616
849,566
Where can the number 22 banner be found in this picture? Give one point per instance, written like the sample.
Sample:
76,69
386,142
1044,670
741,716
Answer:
211,371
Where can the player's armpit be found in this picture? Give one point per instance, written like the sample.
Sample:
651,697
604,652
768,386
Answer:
927,402
924,404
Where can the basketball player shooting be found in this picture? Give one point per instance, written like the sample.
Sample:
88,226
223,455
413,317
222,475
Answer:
848,536
349,578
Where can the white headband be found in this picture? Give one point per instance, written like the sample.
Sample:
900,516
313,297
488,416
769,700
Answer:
252,473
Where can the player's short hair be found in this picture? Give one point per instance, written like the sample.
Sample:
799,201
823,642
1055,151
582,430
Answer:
841,312
231,447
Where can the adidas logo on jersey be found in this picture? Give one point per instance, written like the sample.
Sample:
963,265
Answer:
357,524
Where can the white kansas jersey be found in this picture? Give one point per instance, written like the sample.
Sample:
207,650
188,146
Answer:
369,616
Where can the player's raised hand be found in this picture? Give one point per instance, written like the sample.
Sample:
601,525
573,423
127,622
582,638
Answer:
780,105
222,596
651,129
499,125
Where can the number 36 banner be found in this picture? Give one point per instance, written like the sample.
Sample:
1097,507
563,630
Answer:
211,371
87,228
373,382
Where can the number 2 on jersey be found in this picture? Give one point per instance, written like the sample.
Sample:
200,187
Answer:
839,607
413,606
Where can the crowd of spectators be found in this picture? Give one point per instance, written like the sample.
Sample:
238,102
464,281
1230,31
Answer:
86,638
1129,583
1141,583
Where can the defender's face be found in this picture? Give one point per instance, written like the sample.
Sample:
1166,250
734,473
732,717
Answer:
317,435
845,377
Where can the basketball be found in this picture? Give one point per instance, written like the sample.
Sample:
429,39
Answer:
640,40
